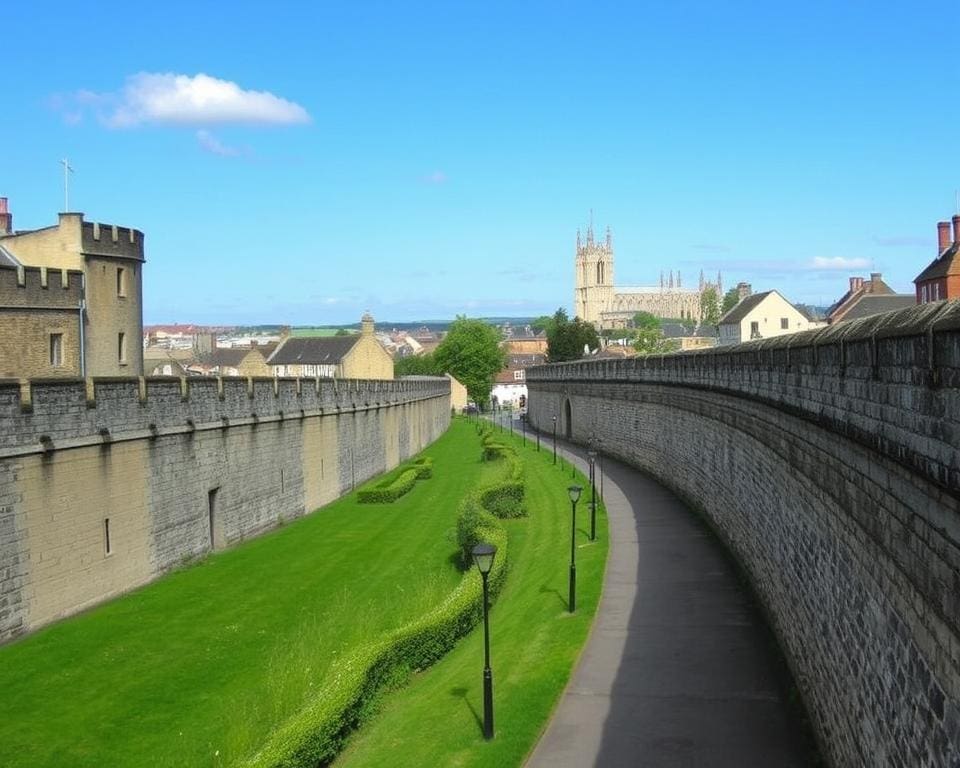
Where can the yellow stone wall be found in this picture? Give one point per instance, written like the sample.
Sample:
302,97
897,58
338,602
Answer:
367,360
25,344
66,498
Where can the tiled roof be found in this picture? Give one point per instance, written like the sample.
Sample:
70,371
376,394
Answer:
313,350
947,263
876,304
745,307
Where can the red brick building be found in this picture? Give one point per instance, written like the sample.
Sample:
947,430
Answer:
941,279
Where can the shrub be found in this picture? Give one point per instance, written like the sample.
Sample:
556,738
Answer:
315,735
389,490
424,467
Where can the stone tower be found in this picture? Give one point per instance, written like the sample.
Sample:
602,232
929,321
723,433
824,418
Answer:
594,277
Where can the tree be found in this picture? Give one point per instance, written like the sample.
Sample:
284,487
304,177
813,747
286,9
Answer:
471,352
416,365
709,306
651,342
566,340
542,323
730,299
343,332
644,321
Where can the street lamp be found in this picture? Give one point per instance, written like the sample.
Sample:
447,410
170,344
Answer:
483,555
554,439
592,458
523,424
574,491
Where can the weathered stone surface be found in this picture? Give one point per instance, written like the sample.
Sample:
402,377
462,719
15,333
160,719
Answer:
829,463
139,463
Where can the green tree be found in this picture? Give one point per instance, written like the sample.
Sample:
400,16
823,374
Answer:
343,332
416,365
471,352
709,306
650,341
730,299
542,323
566,340
644,321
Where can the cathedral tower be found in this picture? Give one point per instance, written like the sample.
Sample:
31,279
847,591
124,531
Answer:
594,277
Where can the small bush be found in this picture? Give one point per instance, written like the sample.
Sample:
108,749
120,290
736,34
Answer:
389,491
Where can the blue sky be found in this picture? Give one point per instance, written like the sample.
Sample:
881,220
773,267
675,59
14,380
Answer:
426,159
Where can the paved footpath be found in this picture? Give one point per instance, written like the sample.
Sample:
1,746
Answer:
678,670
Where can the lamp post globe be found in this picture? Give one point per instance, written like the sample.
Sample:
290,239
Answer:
483,556
574,492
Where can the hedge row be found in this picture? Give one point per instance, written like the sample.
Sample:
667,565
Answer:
395,486
315,735
505,498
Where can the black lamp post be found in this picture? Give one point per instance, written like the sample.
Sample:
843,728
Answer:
523,425
592,458
574,491
554,440
483,555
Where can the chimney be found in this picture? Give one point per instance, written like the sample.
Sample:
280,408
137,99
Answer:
854,284
956,229
366,324
943,236
6,218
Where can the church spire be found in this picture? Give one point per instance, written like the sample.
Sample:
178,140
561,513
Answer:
609,239
590,229
671,278
578,240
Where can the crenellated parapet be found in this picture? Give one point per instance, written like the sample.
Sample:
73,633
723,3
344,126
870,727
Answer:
111,240
44,415
40,288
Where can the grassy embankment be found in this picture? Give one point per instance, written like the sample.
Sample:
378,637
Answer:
435,720
198,668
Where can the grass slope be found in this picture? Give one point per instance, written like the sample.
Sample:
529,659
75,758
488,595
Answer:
435,720
198,668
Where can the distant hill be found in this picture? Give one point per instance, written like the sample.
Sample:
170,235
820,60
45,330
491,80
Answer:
330,330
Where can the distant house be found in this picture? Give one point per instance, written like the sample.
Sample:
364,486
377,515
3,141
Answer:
358,356
941,279
867,297
760,316
510,384
701,337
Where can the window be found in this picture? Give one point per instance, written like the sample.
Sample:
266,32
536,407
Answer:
784,324
936,291
56,349
121,281
122,347
518,375
211,515
754,330
924,293
108,547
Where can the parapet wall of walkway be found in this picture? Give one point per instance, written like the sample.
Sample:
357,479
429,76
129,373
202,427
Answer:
829,463
105,484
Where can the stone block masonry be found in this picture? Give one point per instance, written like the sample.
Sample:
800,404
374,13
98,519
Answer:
106,484
829,462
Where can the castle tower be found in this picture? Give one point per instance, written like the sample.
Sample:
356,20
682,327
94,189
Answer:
594,277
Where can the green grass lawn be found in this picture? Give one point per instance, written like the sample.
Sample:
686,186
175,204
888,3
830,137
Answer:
435,720
198,668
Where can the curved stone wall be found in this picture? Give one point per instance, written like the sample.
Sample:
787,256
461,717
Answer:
828,461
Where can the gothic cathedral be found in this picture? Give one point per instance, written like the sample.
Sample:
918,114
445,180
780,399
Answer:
597,301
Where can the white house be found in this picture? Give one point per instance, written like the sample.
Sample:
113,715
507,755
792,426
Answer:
761,316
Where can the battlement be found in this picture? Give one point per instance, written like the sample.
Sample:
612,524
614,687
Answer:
39,287
44,415
111,240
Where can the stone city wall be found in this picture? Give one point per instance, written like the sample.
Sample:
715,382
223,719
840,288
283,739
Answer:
828,461
106,484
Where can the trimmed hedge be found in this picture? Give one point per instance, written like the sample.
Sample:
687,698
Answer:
395,486
315,735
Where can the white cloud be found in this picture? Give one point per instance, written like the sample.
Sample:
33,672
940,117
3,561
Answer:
192,100
839,262
210,143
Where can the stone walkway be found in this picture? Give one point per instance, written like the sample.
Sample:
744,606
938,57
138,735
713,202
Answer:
678,670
